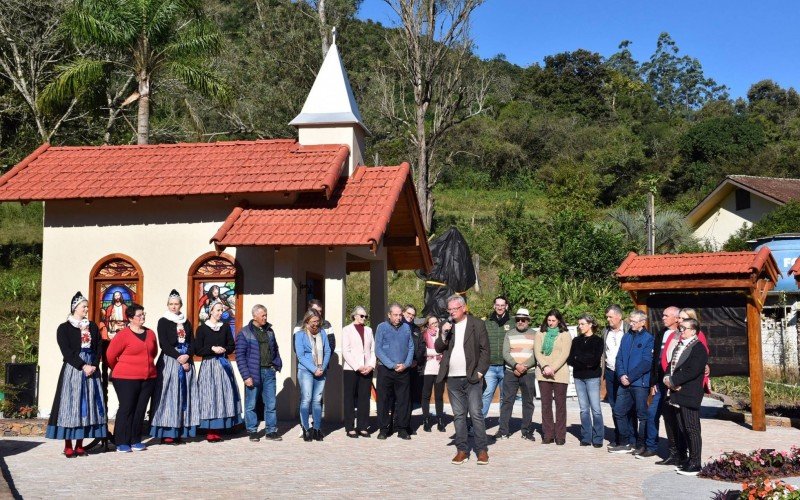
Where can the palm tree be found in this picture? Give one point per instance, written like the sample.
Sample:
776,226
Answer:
673,233
147,39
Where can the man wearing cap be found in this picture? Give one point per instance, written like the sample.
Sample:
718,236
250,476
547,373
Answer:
497,325
519,359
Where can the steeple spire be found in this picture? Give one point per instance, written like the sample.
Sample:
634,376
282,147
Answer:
330,101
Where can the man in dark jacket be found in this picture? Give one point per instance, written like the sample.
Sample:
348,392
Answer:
670,318
685,382
497,325
633,363
258,360
464,344
417,363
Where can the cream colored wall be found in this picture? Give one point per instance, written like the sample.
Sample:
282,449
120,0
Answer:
164,236
351,135
724,220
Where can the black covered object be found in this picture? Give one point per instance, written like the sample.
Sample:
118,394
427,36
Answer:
452,272
22,379
722,319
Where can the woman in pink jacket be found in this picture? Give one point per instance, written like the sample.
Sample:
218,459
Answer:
358,353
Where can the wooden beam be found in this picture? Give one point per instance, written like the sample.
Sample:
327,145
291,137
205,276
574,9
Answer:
687,284
757,403
400,241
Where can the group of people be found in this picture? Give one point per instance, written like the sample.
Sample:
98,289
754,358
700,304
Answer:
645,377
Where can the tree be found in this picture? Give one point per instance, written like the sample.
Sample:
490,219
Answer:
432,53
149,39
31,47
678,81
672,233
330,14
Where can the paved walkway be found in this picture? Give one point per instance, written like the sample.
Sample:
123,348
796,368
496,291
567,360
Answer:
342,467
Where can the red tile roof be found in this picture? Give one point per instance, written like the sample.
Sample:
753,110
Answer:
700,264
795,270
59,173
782,190
357,214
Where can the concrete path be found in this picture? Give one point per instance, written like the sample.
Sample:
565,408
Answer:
341,467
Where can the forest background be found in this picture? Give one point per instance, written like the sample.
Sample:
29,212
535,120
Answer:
545,169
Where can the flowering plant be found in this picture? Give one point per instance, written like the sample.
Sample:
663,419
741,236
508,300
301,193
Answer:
738,466
763,488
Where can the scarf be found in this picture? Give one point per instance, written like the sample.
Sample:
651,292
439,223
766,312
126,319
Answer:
430,337
179,320
317,349
83,326
214,326
549,341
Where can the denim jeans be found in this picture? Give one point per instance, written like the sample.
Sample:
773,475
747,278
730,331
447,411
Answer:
612,387
311,388
267,390
653,415
466,398
588,390
494,379
629,398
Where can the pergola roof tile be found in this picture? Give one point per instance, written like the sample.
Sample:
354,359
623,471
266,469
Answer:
705,264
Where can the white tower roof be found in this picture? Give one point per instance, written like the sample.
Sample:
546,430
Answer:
330,101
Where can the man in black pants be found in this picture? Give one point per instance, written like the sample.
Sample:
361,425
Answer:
394,348
688,358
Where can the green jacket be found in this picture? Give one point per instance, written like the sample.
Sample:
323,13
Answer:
497,328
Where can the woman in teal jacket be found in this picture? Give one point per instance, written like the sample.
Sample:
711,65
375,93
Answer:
313,354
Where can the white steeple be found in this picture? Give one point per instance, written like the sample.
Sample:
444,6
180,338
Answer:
331,100
330,114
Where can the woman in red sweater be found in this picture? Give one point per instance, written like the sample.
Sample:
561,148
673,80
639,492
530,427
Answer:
130,357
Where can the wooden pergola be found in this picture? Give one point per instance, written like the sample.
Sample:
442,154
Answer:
750,275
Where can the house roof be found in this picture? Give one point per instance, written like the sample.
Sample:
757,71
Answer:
706,264
86,172
775,189
795,270
331,99
375,205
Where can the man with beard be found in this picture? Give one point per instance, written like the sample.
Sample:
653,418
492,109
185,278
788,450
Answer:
497,325
115,315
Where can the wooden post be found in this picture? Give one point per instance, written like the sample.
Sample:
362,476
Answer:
757,404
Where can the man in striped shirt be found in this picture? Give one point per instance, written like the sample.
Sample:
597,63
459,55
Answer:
519,361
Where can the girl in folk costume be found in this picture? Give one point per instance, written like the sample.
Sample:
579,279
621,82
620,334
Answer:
218,401
78,410
175,399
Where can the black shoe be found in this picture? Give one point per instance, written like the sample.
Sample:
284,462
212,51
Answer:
382,435
584,443
427,424
646,454
440,425
318,436
623,448
691,469
254,437
352,434
364,434
638,450
500,435
598,445
307,435
403,434
273,436
529,435
684,464
670,460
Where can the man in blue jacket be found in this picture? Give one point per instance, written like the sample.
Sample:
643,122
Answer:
394,348
258,360
633,364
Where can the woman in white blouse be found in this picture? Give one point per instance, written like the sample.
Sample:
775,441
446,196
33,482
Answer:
358,353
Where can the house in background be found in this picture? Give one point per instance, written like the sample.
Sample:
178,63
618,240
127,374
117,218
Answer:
739,200
273,222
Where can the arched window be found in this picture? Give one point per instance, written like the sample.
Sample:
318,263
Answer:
115,282
214,277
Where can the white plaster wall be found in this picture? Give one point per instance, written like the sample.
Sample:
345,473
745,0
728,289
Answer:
724,220
779,340
350,135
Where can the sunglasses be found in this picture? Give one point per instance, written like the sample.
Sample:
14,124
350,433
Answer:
522,320
683,329
362,316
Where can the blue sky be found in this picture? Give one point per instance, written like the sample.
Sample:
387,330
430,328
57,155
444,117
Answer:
738,42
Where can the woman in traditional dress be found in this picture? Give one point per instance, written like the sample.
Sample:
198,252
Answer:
218,401
78,411
131,355
175,398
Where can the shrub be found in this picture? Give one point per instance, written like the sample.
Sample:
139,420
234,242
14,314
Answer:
738,466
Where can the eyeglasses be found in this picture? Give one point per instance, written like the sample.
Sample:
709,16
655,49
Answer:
139,315
364,316
453,309
684,328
